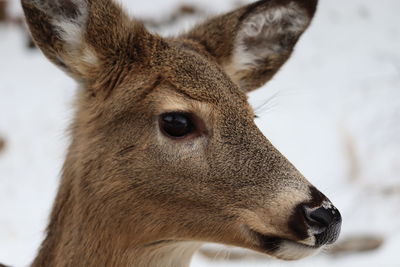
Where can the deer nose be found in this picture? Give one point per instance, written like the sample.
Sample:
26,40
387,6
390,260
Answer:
325,223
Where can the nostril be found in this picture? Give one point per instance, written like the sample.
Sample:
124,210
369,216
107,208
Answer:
320,217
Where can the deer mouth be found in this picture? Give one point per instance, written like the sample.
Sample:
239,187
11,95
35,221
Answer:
283,248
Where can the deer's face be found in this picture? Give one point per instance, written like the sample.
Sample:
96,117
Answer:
172,135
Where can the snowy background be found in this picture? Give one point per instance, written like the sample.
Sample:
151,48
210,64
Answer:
333,110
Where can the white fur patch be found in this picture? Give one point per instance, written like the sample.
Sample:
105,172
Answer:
289,250
310,240
327,205
266,27
70,27
69,31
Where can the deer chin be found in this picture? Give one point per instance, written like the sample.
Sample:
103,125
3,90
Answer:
285,249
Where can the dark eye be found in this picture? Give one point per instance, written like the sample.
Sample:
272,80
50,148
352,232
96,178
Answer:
176,124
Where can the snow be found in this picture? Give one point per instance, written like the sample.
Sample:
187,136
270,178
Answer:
333,110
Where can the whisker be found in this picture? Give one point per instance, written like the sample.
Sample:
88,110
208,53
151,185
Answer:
266,106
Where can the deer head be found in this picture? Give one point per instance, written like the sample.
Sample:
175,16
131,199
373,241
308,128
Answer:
165,154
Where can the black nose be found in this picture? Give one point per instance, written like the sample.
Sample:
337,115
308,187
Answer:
325,223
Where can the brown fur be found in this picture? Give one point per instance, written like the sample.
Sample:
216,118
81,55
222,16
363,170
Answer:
130,196
2,144
3,10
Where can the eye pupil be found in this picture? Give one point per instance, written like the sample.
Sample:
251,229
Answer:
176,124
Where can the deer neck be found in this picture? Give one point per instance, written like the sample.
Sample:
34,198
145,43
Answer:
75,238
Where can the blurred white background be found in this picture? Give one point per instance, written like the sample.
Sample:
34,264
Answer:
333,110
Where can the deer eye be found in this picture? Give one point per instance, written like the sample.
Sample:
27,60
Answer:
176,124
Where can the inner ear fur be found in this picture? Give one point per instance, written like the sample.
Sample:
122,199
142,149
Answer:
253,42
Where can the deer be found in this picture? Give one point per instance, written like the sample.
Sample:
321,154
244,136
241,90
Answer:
165,154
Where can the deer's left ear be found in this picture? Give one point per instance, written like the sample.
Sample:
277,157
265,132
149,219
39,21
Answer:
253,42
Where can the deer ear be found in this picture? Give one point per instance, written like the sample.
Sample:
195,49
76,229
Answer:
253,42
85,37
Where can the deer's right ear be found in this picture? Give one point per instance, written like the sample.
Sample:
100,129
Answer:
253,42
85,36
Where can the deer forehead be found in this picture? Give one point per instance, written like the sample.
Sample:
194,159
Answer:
199,76
180,79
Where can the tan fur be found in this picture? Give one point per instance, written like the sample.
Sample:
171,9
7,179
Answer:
130,196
